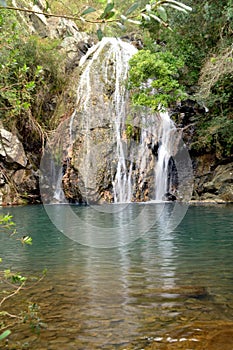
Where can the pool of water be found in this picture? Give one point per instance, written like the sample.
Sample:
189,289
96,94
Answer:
125,277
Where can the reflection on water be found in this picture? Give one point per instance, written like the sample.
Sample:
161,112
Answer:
164,290
110,226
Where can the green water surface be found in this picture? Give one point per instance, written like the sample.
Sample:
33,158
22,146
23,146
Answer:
156,289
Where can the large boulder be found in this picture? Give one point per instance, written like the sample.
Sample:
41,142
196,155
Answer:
18,180
11,149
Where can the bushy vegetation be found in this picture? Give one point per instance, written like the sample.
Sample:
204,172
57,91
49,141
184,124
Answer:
214,135
202,40
31,74
153,79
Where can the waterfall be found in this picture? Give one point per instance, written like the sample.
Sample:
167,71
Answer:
165,137
108,161
111,55
58,192
122,186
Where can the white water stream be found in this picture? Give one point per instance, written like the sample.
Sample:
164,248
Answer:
167,127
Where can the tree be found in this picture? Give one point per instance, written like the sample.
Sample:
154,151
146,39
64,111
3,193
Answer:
153,79
136,14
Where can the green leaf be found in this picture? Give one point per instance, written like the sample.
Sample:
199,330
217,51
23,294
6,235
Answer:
179,5
176,7
162,13
30,85
109,15
155,17
123,18
148,8
7,273
146,17
47,6
24,69
121,26
3,313
39,71
26,240
18,278
5,218
134,21
26,105
5,334
100,34
132,8
88,10
3,3
107,9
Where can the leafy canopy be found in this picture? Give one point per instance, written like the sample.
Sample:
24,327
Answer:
153,79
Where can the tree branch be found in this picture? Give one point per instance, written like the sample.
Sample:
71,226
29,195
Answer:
5,313
77,18
12,294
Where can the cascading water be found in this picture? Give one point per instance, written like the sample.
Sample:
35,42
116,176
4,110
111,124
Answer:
107,160
166,131
58,192
58,173
116,53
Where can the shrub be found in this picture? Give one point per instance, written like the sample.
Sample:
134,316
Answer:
153,79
